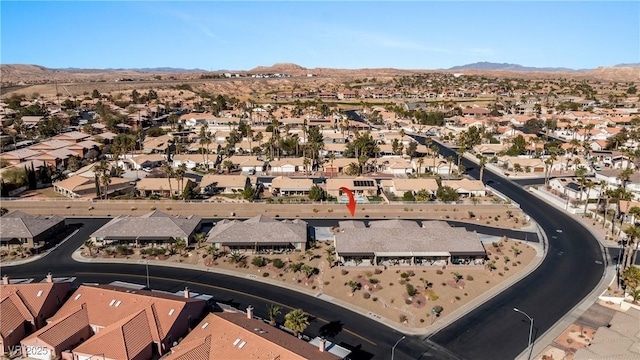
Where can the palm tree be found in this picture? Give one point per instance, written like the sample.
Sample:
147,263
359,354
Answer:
332,157
589,185
307,270
434,151
420,162
633,233
199,238
89,244
273,310
483,163
450,162
168,171
179,173
460,153
228,164
306,163
297,321
105,179
581,172
179,245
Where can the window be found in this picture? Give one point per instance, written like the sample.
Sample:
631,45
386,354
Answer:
39,293
112,302
204,326
118,303
78,296
171,311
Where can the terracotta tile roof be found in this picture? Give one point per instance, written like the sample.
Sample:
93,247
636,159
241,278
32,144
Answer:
230,335
126,339
21,225
287,183
12,315
62,328
224,181
107,304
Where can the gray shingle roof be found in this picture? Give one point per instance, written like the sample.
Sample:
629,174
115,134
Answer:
436,236
22,225
152,225
259,229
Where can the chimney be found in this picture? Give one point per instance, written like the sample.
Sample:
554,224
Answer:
5,280
250,312
321,345
49,278
187,294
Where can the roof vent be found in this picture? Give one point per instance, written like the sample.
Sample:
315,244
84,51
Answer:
39,293
171,311
236,342
118,303
242,344
77,296
204,326
112,302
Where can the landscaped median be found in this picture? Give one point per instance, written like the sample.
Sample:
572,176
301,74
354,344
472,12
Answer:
410,298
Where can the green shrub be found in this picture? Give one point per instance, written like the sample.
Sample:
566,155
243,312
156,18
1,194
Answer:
258,261
277,263
366,295
265,274
411,290
439,272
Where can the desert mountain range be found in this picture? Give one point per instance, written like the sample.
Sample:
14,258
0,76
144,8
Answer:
21,74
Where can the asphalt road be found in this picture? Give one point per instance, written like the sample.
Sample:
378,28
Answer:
571,270
367,338
573,267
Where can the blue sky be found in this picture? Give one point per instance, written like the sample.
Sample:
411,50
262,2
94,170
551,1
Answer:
356,34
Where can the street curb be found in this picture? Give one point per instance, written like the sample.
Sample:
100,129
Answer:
39,256
608,276
429,330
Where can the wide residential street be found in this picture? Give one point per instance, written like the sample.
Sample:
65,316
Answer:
572,268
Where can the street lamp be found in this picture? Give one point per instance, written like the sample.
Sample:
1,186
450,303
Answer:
147,266
530,345
393,349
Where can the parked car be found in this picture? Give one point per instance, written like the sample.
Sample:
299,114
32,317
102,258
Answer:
597,167
146,169
252,171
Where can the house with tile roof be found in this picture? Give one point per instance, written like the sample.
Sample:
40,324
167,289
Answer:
225,184
259,234
22,229
286,186
399,242
234,335
24,307
398,186
154,227
360,186
81,186
116,322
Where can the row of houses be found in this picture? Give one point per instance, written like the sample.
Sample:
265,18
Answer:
122,321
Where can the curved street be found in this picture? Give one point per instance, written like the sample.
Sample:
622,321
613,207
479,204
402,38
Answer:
571,270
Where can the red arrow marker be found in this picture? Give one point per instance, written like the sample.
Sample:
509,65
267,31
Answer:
352,202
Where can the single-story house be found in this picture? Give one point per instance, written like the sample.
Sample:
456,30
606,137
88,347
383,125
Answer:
226,184
287,186
360,186
247,163
259,234
466,187
398,186
435,243
79,186
154,227
287,165
162,186
189,160
21,229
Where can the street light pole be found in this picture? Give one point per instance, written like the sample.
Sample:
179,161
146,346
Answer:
530,345
393,349
147,266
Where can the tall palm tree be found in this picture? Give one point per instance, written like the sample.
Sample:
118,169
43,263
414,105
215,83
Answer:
168,171
588,185
450,162
633,233
483,163
420,162
179,174
105,179
297,321
434,151
332,157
